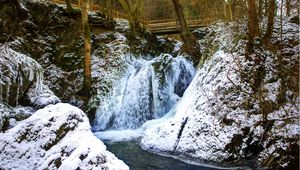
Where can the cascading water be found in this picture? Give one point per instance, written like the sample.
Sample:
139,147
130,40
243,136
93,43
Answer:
148,90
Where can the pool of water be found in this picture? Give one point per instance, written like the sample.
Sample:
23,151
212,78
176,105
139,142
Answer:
138,159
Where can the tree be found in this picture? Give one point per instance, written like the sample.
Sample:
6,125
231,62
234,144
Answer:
87,48
69,6
108,8
271,15
260,9
134,9
189,42
288,8
253,27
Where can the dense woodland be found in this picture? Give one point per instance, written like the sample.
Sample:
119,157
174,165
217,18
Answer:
214,83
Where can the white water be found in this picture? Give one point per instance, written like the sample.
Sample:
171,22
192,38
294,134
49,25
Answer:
148,90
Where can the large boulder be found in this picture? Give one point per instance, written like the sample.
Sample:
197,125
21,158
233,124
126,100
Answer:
56,137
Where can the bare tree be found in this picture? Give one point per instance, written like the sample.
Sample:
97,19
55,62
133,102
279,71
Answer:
108,8
69,6
253,27
288,8
87,47
134,9
189,42
271,15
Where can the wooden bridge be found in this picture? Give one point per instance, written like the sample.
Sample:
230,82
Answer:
158,27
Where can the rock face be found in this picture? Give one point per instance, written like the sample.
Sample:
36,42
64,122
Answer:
21,82
56,137
237,109
18,73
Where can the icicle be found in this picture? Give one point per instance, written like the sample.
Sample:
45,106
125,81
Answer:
7,93
18,90
154,93
1,98
39,81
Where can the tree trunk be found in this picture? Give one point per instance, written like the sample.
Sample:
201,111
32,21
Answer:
225,11
185,33
260,9
133,11
87,48
288,8
69,6
266,3
108,8
189,42
233,8
270,26
230,9
253,27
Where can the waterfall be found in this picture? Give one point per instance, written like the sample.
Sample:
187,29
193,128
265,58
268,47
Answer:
147,90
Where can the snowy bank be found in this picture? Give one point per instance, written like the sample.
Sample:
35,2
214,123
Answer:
56,137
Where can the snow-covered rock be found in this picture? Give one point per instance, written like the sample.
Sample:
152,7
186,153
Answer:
235,108
21,82
195,131
56,137
18,72
41,98
22,77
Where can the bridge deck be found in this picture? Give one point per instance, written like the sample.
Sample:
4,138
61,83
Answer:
159,27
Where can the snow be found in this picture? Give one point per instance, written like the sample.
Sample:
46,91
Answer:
121,24
56,137
16,70
219,107
42,98
195,108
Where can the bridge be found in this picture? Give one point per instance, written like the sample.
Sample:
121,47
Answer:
158,27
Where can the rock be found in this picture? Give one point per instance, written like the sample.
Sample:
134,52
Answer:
40,99
222,116
4,116
9,116
56,137
18,72
22,79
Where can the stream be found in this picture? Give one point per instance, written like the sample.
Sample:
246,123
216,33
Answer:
138,159
148,90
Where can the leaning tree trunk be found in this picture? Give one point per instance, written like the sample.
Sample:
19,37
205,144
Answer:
270,26
253,27
69,6
189,42
87,48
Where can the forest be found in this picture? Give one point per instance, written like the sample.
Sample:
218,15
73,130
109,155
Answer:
149,84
